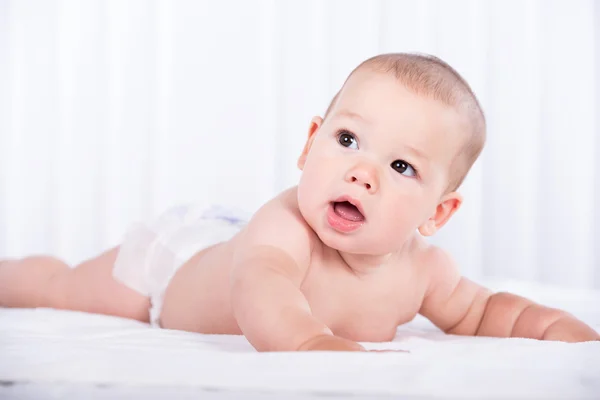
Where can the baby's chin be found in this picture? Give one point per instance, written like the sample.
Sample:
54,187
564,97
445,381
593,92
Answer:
355,244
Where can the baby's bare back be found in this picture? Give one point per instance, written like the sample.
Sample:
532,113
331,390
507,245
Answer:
366,307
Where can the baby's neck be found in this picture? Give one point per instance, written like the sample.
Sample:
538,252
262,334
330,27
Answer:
366,264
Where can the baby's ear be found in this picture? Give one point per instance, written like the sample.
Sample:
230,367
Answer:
449,204
315,124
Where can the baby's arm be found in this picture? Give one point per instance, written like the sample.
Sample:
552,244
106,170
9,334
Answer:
270,263
459,306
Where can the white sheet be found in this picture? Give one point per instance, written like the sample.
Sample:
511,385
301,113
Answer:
59,349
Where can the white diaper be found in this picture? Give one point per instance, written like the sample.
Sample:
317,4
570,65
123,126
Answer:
152,252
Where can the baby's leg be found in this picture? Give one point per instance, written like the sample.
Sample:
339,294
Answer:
47,282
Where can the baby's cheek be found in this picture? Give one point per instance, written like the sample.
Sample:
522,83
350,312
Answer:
403,219
392,224
305,193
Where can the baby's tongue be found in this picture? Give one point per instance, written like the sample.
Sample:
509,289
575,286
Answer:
348,211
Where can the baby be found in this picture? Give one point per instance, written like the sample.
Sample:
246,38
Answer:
339,259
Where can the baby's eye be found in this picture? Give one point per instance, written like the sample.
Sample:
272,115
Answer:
404,168
347,139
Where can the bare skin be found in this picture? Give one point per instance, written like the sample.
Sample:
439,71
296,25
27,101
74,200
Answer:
301,277
360,307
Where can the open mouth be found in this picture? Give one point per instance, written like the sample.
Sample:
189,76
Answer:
347,211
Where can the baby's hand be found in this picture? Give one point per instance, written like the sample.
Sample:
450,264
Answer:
330,343
569,329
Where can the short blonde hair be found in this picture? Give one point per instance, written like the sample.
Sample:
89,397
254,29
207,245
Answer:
432,77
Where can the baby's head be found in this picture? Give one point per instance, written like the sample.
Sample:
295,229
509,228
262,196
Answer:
393,147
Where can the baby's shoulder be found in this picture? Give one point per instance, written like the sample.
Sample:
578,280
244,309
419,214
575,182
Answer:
432,260
436,268
280,215
279,225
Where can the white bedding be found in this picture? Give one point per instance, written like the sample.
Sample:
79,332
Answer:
58,354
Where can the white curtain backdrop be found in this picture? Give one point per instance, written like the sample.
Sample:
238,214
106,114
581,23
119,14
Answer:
112,111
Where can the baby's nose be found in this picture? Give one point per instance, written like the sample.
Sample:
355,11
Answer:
364,175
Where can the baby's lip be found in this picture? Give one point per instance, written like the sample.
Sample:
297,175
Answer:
355,202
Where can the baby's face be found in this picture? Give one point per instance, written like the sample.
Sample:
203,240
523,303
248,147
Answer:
376,169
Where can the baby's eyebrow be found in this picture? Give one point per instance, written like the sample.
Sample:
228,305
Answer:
351,115
415,152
